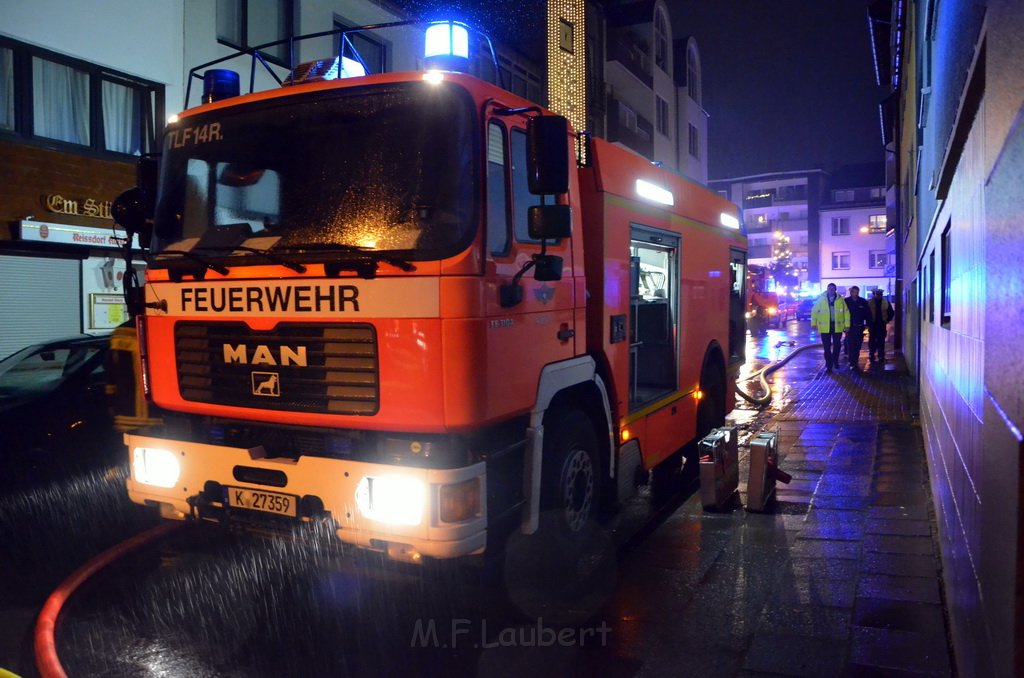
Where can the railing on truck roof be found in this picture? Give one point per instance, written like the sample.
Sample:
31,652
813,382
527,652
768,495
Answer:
345,46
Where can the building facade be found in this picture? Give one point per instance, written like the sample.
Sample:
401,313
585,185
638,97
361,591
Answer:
856,245
782,205
956,150
80,98
652,87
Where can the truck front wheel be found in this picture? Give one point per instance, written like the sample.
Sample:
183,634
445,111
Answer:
571,484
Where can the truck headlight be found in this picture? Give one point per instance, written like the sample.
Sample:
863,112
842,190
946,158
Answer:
155,466
395,499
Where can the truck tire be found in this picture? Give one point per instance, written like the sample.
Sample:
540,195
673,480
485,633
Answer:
711,410
571,480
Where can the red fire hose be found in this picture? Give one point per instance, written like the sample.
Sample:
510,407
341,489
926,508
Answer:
45,644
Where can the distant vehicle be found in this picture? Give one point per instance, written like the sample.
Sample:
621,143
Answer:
53,406
803,309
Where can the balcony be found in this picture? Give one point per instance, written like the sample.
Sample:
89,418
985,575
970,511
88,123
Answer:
640,138
632,57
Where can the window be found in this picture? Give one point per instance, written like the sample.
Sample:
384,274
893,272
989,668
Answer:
661,114
840,226
521,196
931,287
840,261
946,275
878,259
693,74
6,88
877,223
249,23
69,101
694,141
660,40
923,288
361,47
627,117
497,190
843,196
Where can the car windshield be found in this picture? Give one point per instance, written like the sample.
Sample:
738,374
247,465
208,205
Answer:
383,168
38,369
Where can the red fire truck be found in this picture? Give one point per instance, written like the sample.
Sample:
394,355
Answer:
762,304
422,311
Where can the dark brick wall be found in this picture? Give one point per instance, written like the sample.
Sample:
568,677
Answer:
28,172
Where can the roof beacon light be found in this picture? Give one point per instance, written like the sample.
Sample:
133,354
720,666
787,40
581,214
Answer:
728,220
220,83
646,189
447,46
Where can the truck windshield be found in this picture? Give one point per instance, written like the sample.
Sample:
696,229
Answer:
385,168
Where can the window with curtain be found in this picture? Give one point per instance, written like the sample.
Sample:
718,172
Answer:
6,88
75,102
60,102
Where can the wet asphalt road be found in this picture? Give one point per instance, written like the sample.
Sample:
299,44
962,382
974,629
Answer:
205,602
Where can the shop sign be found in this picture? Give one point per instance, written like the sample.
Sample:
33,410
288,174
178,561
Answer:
69,234
79,207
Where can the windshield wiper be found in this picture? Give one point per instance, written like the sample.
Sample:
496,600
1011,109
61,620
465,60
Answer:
364,263
206,264
266,254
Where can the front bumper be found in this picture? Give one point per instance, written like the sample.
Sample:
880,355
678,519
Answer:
323,488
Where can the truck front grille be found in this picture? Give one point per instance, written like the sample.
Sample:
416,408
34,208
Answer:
298,367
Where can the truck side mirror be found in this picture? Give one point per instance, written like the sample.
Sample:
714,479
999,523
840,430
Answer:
130,212
547,267
547,156
549,222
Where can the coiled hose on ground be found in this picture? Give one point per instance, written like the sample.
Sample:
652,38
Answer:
762,375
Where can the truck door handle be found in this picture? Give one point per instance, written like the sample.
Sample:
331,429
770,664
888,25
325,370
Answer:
565,334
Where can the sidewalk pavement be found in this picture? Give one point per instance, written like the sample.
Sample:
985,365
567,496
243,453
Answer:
841,579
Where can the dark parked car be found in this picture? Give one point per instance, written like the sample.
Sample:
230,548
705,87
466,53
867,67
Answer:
803,309
53,407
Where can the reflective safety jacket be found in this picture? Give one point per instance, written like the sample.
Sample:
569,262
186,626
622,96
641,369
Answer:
820,315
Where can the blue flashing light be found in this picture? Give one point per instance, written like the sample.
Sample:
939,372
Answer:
446,39
219,83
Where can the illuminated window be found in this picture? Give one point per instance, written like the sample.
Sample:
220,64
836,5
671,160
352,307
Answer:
840,261
877,223
249,23
840,226
878,259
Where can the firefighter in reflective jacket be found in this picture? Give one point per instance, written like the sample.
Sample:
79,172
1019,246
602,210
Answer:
831,318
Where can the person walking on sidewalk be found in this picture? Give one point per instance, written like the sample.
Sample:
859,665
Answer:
831,318
859,315
879,314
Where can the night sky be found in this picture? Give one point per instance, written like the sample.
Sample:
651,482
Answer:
788,84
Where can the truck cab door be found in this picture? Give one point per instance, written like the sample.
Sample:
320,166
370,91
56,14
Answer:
539,329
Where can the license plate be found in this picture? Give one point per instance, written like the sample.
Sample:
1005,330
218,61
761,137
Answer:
258,500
